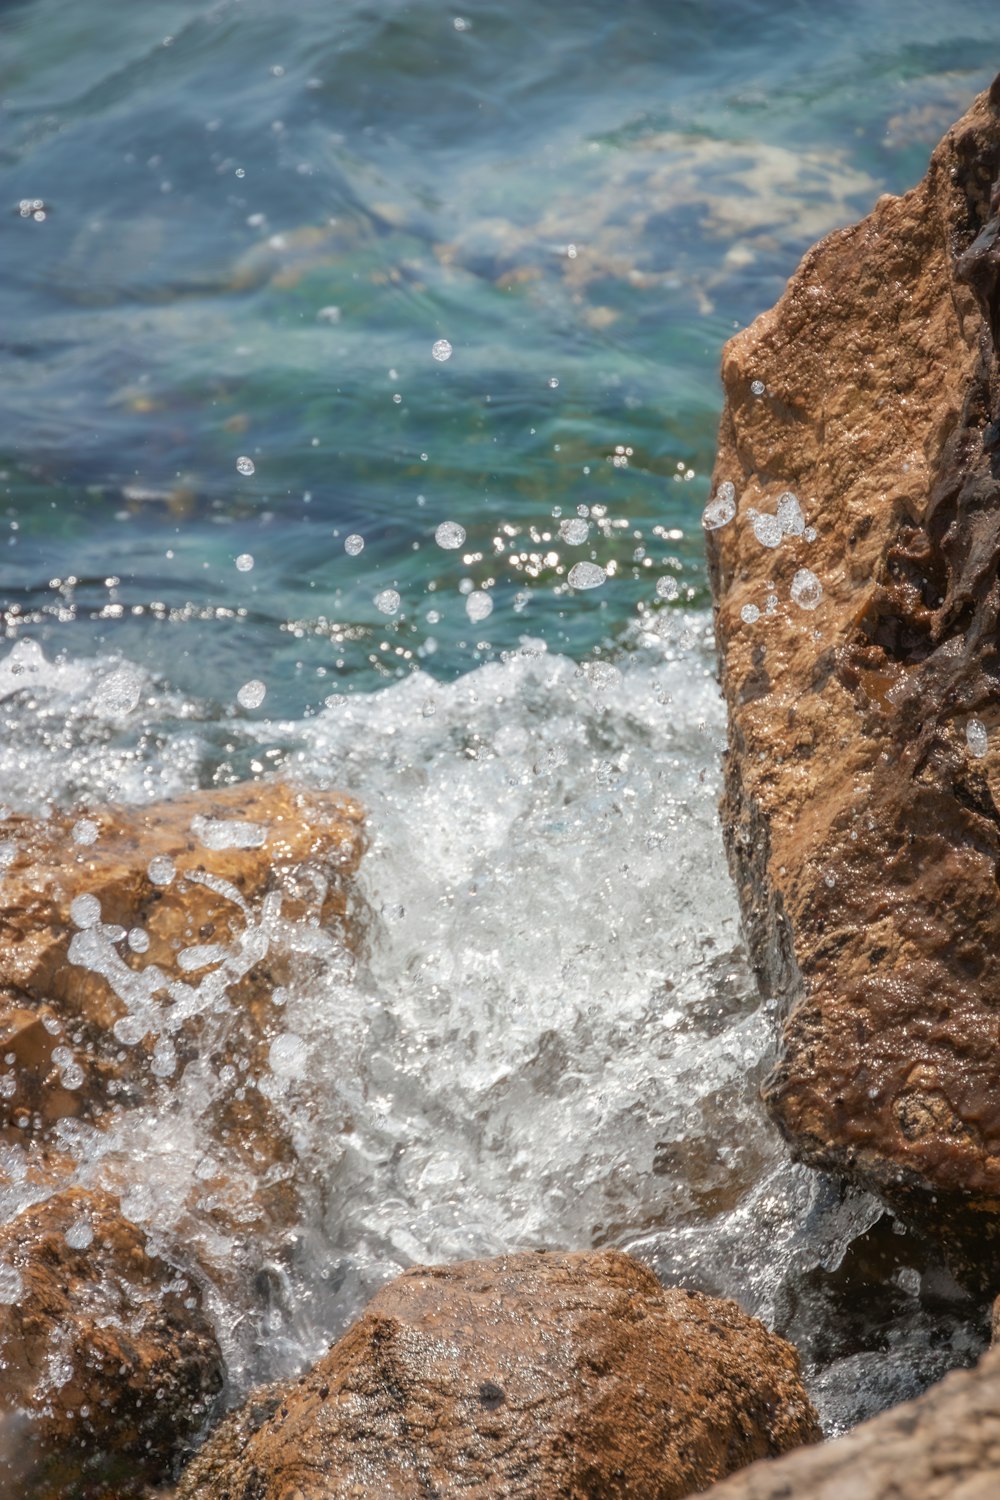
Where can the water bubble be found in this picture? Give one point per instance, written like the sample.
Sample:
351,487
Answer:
574,531
767,529
721,510
138,937
10,1283
478,606
160,869
806,589
749,614
977,738
244,562
586,575
85,911
80,1234
163,1062
251,694
85,831
287,1055
441,350
667,587
245,465
790,514
757,387
387,602
118,693
449,535
354,544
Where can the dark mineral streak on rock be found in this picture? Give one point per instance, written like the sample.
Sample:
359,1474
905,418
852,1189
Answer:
863,833
529,1376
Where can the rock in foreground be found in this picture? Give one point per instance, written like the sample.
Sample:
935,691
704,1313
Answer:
858,604
943,1446
533,1375
107,1362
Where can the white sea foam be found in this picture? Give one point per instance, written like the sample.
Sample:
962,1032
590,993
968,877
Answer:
550,1037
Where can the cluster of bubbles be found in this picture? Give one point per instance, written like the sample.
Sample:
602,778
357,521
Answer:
769,530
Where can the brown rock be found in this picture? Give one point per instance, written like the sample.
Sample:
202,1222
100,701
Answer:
863,829
945,1445
533,1375
107,1363
193,882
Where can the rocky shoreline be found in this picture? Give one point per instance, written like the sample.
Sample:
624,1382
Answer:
854,546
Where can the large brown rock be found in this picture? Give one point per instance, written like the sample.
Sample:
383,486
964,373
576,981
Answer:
533,1375
107,1362
860,811
945,1445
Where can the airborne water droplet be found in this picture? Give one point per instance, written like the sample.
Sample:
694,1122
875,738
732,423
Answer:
387,602
450,535
441,350
354,544
251,694
85,911
244,562
245,465
667,587
575,531
478,606
586,575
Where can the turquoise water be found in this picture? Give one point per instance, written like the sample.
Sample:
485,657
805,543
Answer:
259,219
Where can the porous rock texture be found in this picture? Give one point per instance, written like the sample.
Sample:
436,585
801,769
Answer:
571,1375
863,772
945,1445
107,1362
189,906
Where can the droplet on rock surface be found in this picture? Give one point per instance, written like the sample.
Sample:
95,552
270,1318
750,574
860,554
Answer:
977,738
721,509
767,529
749,614
806,589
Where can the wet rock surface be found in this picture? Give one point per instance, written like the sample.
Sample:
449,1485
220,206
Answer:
535,1374
108,1364
133,941
943,1446
858,602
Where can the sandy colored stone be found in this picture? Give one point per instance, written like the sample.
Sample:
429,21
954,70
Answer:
945,1445
60,1053
528,1376
863,832
107,1362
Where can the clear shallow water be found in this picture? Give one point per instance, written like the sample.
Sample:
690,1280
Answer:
257,222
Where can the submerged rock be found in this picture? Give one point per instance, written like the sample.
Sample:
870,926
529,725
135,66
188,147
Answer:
945,1445
863,772
531,1375
107,1363
135,940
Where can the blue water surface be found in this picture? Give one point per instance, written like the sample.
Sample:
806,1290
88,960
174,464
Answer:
238,229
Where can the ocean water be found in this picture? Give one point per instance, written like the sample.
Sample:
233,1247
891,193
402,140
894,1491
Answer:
452,285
